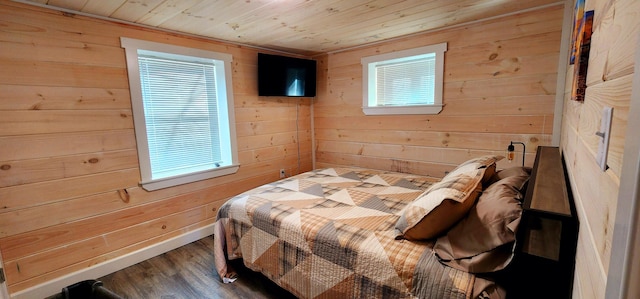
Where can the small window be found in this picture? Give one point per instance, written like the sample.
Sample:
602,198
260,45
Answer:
183,113
404,82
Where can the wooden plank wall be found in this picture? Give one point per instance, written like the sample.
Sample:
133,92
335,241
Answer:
67,146
609,82
499,86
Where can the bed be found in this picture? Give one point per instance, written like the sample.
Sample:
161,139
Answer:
364,233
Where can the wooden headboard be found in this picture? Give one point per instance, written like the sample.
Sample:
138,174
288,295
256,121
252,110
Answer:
547,237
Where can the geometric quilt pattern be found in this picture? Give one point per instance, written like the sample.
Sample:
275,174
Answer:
330,233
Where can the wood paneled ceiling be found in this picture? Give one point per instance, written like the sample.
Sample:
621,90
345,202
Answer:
305,27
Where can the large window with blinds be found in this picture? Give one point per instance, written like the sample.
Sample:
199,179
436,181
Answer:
183,112
404,82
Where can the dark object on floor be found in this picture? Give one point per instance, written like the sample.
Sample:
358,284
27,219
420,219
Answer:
88,289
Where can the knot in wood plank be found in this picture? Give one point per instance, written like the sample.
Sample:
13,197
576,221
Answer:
124,195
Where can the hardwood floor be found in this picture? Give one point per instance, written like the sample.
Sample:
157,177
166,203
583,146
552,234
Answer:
189,272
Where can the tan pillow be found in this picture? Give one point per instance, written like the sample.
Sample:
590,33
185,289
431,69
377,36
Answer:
483,240
440,207
469,166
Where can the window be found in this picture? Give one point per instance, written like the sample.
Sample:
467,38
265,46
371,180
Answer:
182,104
404,82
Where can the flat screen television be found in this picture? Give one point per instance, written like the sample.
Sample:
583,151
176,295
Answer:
283,76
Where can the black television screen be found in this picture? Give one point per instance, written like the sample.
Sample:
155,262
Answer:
286,76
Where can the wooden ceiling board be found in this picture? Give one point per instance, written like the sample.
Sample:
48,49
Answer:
300,27
70,4
101,8
134,10
197,18
165,11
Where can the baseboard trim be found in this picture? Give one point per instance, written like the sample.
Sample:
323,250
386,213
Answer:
54,286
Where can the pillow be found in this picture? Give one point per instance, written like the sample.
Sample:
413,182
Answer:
523,172
483,241
486,262
512,171
439,207
488,162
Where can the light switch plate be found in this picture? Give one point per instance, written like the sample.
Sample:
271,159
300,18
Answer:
604,133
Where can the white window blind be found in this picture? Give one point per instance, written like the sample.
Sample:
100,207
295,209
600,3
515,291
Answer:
180,114
406,83
183,116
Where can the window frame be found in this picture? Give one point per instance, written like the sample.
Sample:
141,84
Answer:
369,81
131,47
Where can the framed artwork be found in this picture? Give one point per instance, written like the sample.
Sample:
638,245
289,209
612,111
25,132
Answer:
578,21
581,58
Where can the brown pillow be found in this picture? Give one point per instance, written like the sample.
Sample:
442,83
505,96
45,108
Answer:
483,240
440,207
486,262
512,171
519,171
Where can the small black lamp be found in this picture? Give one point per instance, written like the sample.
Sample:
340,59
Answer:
510,151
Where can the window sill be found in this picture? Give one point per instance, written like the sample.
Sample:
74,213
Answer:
153,185
430,109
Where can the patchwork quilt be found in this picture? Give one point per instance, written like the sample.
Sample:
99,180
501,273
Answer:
330,233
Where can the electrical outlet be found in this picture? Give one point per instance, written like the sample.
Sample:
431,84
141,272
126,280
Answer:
282,174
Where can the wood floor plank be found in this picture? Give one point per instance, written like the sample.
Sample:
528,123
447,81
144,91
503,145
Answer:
189,272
